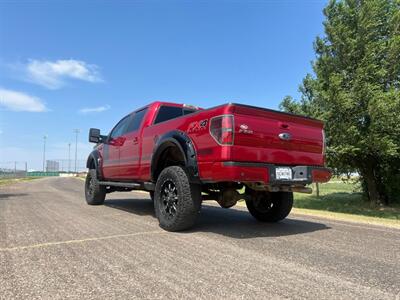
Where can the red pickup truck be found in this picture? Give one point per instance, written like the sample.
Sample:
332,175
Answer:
184,155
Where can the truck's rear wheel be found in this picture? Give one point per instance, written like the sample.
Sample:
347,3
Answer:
270,207
176,201
94,193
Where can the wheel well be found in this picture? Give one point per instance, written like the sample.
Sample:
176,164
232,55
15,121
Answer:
171,156
91,163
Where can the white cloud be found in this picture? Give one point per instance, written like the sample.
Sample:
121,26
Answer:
17,101
54,74
88,110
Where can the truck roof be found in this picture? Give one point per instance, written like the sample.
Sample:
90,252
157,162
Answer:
158,103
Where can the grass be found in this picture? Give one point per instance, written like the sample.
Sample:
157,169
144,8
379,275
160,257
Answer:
7,181
340,197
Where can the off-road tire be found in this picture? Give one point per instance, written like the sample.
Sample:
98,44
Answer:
186,200
268,206
94,193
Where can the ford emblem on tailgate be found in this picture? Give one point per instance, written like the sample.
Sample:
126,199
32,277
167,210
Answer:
286,136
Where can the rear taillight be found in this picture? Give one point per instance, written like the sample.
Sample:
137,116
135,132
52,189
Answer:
321,175
222,129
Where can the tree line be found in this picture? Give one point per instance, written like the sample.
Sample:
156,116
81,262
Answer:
355,89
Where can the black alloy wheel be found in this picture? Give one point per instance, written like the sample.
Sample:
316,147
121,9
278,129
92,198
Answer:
169,199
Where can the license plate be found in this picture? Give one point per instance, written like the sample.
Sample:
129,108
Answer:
283,173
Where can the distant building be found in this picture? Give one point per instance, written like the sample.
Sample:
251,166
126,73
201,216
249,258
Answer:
52,166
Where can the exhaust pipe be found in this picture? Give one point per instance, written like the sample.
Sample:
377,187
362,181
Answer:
302,189
229,197
287,188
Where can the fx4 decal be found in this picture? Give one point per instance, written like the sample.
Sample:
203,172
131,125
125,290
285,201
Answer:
197,126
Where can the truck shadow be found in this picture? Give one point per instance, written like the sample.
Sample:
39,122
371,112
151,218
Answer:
238,223
235,222
12,195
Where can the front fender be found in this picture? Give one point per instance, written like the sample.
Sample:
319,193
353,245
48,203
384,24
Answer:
95,157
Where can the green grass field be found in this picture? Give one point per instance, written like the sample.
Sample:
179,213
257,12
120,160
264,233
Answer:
6,181
341,197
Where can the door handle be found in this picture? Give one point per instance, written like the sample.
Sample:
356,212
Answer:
135,141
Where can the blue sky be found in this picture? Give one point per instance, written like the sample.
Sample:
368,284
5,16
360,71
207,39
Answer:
82,64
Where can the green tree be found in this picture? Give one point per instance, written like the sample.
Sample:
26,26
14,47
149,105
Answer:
355,89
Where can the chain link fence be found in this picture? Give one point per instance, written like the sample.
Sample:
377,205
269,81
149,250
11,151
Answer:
13,169
53,167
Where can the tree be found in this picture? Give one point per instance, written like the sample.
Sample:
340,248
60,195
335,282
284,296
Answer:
355,89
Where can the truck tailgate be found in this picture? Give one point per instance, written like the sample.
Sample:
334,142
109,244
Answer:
263,135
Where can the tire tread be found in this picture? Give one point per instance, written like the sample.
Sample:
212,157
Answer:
283,203
189,201
99,190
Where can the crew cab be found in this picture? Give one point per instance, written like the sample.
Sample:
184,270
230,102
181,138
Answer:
183,155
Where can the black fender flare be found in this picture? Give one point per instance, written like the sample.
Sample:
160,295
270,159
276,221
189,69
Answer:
185,144
96,158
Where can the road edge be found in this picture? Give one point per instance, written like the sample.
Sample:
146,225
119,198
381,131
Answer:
343,217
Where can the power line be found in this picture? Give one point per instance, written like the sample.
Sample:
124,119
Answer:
76,131
44,152
69,157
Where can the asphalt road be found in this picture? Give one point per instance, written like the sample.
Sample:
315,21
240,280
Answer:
53,245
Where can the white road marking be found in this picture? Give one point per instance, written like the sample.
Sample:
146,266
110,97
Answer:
41,245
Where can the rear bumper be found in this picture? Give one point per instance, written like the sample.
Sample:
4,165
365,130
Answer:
231,171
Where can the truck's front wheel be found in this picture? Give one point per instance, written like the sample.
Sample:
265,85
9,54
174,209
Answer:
176,201
270,207
94,193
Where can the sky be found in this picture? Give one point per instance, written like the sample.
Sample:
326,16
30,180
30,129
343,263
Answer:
82,64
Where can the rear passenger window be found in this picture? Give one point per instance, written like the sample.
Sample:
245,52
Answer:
167,113
187,111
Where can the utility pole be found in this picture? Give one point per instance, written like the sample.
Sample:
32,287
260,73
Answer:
76,131
44,152
69,157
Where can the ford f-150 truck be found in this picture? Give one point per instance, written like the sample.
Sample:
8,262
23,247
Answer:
183,155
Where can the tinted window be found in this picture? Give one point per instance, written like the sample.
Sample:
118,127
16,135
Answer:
167,113
120,128
136,121
187,111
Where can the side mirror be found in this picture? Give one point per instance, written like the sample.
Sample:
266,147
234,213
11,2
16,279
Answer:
94,135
